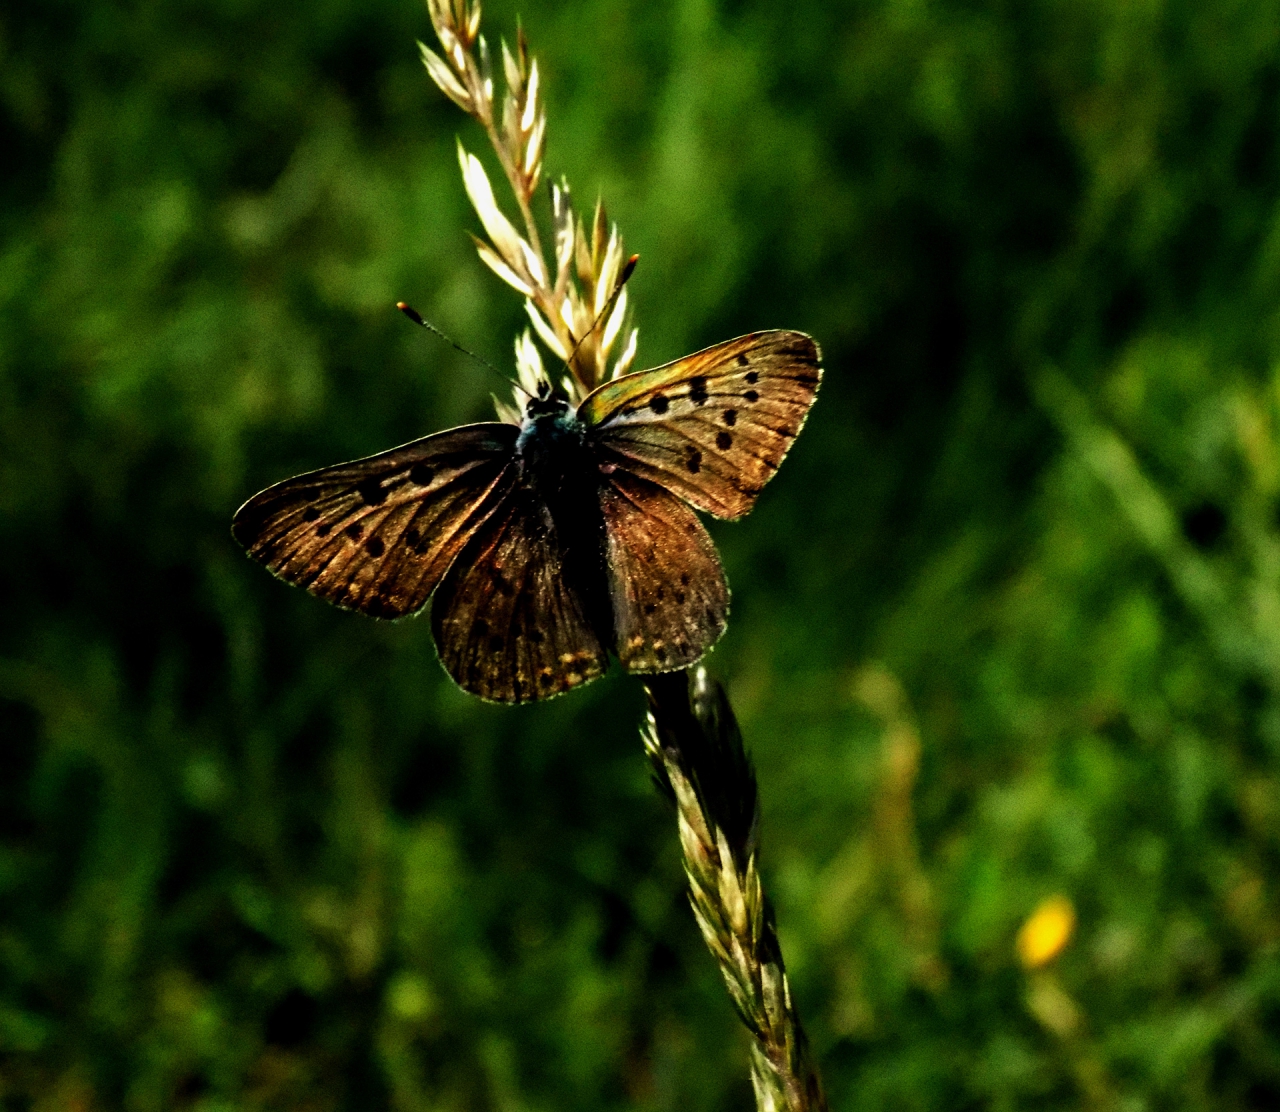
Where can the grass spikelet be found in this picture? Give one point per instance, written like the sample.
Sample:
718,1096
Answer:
695,747
577,303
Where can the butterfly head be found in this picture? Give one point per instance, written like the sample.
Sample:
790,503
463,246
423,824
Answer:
543,407
546,402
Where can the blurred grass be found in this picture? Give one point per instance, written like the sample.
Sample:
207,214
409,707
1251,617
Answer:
1004,627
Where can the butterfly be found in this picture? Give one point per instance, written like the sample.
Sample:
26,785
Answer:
549,544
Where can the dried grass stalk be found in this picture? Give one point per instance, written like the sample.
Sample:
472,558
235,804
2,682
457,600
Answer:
568,299
576,307
694,744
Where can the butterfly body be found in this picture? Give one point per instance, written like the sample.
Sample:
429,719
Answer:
557,464
547,546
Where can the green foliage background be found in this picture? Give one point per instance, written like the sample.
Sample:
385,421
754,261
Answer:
1007,624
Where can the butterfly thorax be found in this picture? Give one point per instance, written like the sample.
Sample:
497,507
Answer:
552,445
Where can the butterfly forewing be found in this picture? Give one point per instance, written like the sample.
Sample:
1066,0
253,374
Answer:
508,624
711,427
670,599
378,534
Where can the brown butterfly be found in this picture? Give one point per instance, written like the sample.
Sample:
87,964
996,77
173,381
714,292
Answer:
549,543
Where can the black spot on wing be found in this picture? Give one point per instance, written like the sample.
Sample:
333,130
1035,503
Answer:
743,361
371,491
730,417
694,462
310,514
379,607
375,547
698,390
324,528
751,396
420,475
659,404
354,530
724,441
752,377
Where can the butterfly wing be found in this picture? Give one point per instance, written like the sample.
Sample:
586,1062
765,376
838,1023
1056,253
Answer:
509,624
378,534
711,427
670,599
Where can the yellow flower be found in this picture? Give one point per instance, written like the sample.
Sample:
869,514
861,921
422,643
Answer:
1046,932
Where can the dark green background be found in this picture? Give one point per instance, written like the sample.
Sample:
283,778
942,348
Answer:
257,853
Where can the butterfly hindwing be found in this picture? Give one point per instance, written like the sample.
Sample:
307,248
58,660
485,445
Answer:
378,534
711,427
670,599
509,625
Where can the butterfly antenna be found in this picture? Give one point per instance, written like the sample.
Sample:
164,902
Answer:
422,322
628,268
